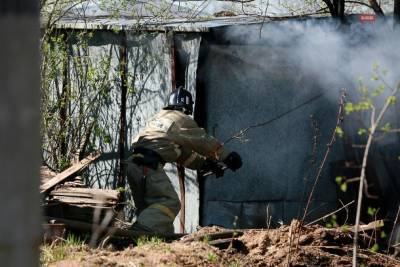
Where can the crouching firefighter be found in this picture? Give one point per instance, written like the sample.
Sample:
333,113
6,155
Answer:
170,136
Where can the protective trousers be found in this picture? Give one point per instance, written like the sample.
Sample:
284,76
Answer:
155,198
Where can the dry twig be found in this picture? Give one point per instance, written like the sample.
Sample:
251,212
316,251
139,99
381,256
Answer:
339,119
392,232
330,214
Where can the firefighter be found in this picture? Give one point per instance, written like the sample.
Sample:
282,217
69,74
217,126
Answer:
170,136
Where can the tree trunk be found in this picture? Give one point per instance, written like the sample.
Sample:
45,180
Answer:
340,10
20,138
396,13
64,105
122,142
376,7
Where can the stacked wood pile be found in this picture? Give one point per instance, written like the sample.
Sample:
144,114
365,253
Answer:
69,205
67,197
81,204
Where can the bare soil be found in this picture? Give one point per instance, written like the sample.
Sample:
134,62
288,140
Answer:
300,246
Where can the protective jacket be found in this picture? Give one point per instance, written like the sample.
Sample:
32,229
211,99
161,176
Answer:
176,137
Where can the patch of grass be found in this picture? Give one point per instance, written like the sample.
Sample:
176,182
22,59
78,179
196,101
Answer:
152,241
206,239
167,248
70,248
235,264
212,257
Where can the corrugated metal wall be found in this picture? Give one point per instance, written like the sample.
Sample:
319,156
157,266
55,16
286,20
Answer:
252,74
148,85
276,158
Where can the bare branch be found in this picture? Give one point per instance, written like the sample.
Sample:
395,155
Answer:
330,214
243,131
339,119
392,232
330,7
364,166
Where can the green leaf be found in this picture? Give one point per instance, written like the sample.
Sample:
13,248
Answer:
364,105
391,100
371,211
374,248
343,187
362,131
349,108
107,139
383,234
339,131
378,91
121,190
386,128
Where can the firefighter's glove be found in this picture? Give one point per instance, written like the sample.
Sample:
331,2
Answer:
233,161
212,166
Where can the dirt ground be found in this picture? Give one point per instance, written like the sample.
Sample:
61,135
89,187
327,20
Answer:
301,246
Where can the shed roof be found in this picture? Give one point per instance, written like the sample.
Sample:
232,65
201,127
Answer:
157,15
176,24
162,15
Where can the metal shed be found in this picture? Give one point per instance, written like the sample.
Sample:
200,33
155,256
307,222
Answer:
240,73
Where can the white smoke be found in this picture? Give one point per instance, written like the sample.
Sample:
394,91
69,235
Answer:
332,54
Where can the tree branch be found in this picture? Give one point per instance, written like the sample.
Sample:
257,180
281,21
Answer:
331,8
364,166
376,7
330,214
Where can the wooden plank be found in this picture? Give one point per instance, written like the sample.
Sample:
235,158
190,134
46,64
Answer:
99,194
69,172
84,201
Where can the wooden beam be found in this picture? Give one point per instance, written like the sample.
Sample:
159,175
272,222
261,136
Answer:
44,188
92,193
84,201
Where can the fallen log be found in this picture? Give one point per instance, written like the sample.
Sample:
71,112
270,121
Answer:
44,188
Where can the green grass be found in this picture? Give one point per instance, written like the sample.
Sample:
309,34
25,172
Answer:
206,239
152,241
235,264
211,257
70,248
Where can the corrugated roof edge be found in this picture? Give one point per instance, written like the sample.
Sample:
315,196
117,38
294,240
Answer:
152,24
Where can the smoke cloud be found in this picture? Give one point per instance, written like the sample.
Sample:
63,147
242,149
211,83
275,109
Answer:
336,56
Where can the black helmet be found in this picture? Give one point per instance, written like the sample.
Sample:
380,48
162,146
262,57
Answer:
181,99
